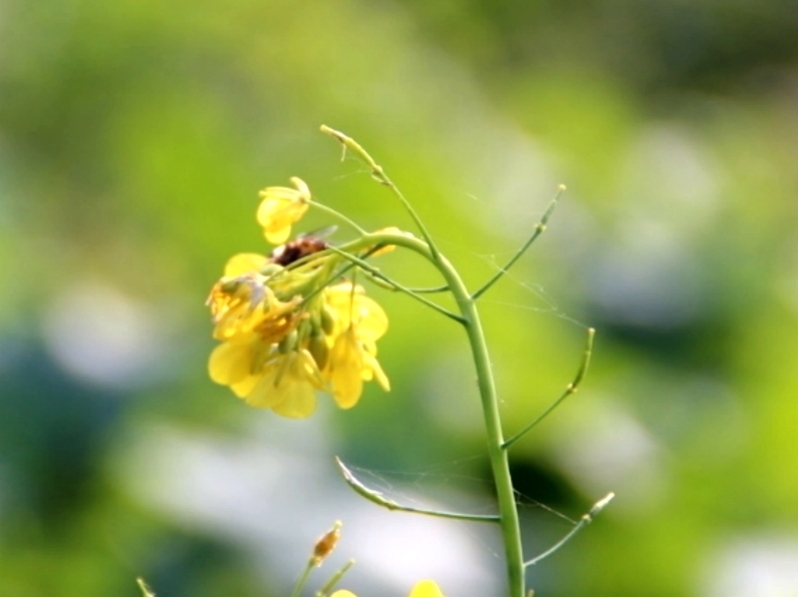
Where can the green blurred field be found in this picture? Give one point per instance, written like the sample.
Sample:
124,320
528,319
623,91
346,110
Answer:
133,140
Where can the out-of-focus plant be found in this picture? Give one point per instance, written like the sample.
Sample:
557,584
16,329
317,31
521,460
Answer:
297,322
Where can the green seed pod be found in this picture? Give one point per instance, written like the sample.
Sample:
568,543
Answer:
319,350
327,320
270,269
288,343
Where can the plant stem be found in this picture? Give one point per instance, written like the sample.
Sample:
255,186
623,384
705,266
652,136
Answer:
508,510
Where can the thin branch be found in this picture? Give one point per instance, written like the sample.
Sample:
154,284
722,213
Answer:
146,591
572,388
335,579
370,269
389,286
339,215
539,229
430,290
585,520
376,497
379,175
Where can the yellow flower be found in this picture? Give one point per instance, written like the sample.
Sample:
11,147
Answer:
282,207
245,304
424,588
244,263
359,323
266,378
285,335
234,304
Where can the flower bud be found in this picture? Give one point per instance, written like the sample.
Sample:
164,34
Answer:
326,544
319,349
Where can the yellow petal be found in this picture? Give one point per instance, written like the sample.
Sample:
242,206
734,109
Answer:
378,374
345,367
343,593
426,588
356,307
245,386
299,401
244,263
280,208
229,363
265,394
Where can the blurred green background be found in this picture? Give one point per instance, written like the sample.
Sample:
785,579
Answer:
134,137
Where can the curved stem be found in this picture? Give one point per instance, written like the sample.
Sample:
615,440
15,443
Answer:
393,285
571,388
376,497
379,175
585,520
508,510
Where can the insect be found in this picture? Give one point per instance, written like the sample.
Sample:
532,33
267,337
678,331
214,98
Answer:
302,246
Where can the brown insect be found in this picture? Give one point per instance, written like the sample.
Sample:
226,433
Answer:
302,246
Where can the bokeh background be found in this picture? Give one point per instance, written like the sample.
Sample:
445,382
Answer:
134,137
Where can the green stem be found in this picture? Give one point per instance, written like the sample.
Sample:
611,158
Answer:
376,497
373,271
303,579
336,214
508,509
379,175
335,579
586,520
539,229
572,388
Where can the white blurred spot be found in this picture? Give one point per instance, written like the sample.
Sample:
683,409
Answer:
649,282
764,566
100,335
671,178
276,495
605,450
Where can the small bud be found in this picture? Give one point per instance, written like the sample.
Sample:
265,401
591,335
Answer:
327,320
326,544
288,343
319,350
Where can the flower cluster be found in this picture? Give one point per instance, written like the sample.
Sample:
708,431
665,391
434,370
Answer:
289,324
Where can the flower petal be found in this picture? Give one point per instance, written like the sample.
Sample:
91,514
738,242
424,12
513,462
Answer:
229,363
280,208
426,588
244,263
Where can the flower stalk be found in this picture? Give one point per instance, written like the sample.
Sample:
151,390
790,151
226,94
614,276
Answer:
291,325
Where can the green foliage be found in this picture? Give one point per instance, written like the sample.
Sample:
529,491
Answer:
133,140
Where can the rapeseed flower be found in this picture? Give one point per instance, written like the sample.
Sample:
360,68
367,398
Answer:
282,207
277,354
288,329
358,323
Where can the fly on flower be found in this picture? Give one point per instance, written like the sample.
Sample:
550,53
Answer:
302,246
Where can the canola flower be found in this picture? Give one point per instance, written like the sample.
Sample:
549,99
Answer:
290,330
280,208
424,588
